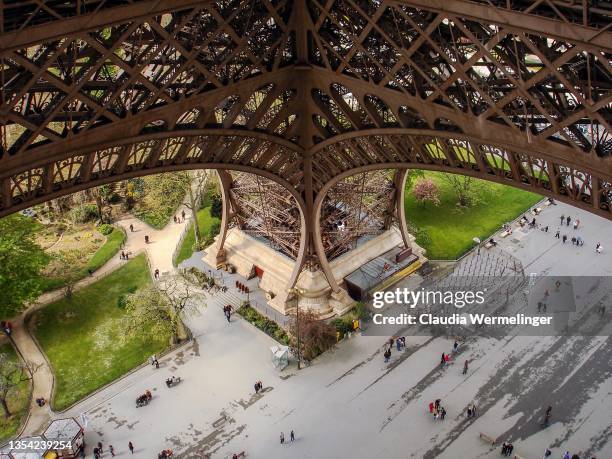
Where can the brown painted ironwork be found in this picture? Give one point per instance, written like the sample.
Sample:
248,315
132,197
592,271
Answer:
306,93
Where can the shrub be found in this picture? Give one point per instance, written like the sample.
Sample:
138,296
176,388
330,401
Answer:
216,205
269,327
342,325
105,229
215,228
360,310
122,299
84,213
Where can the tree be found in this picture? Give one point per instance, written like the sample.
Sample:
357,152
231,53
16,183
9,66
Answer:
412,175
21,263
69,266
12,374
200,179
316,336
102,196
161,308
425,190
163,193
216,206
463,186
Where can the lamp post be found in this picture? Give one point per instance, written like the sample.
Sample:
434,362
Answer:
296,292
477,241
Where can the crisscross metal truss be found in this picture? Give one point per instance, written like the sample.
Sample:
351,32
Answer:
304,91
265,210
356,209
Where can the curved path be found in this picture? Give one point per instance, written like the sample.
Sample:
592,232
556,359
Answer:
159,252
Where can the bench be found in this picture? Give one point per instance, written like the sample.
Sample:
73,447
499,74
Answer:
505,233
516,456
536,211
486,438
488,245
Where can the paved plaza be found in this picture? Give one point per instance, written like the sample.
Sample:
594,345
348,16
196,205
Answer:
349,403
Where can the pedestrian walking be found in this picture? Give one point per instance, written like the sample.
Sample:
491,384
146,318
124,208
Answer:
112,450
131,228
96,453
562,219
564,238
557,234
183,215
568,220
100,449
437,404
398,345
576,223
292,435
455,347
146,239
442,413
547,453
156,273
175,219
131,447
598,248
122,256
465,366
566,455
256,386
547,416
442,360
387,355
282,438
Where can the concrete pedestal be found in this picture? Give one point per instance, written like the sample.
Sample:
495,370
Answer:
249,255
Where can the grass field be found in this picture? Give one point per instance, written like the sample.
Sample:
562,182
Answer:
18,400
83,338
207,227
98,259
450,230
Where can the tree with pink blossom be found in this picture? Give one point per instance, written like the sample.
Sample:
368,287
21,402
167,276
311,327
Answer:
425,190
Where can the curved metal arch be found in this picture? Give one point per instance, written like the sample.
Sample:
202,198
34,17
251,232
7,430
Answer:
408,149
594,163
162,135
226,181
403,168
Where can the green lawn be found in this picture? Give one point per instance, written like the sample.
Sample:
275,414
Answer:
207,228
18,400
83,338
448,232
103,254
108,250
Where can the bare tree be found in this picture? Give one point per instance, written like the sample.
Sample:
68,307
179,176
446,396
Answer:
161,308
199,180
69,266
463,186
12,374
315,335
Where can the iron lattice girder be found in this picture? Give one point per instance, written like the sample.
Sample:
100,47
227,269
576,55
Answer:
305,91
264,209
355,208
